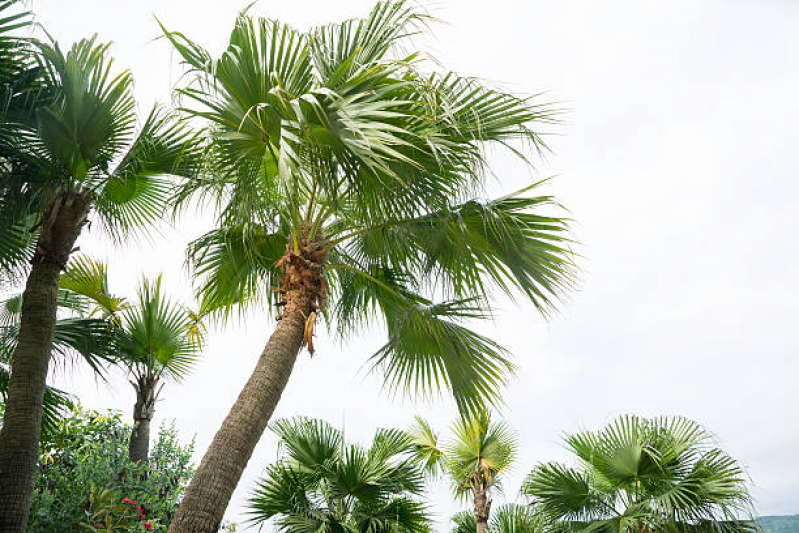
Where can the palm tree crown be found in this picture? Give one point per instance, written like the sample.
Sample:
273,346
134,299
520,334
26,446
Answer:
479,453
340,168
154,338
322,483
644,475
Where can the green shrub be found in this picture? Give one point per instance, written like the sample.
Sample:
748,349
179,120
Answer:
89,451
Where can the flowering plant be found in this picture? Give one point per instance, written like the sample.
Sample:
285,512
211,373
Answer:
108,513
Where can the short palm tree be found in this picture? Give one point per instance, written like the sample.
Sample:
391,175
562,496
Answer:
70,147
154,338
158,340
642,475
476,458
508,518
321,483
347,184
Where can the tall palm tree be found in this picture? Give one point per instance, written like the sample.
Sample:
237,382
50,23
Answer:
508,518
476,458
322,483
74,149
642,475
347,186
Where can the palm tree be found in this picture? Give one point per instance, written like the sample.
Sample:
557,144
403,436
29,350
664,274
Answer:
321,483
72,150
508,518
347,185
479,454
642,475
158,339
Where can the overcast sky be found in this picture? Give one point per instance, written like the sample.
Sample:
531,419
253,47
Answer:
679,164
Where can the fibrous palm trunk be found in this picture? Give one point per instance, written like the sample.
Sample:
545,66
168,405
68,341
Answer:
62,220
482,509
146,395
303,290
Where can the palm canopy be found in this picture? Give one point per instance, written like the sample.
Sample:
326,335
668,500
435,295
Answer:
644,475
154,336
73,128
508,518
480,452
323,484
332,146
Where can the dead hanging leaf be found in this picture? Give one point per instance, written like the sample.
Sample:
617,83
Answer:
308,333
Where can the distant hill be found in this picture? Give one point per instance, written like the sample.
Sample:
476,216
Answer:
780,524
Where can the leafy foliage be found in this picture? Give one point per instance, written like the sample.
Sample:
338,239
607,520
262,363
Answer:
338,132
322,483
508,518
70,124
89,451
663,474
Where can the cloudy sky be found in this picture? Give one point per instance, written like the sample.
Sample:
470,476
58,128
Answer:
679,163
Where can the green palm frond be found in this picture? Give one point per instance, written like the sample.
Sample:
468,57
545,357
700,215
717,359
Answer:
321,483
139,188
89,279
92,116
479,453
660,474
429,350
426,446
236,264
158,334
342,131
508,518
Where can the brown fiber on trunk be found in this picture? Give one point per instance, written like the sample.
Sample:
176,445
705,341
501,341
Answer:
146,395
303,288
62,220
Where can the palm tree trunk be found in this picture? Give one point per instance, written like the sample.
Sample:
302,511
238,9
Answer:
209,492
62,220
482,509
146,395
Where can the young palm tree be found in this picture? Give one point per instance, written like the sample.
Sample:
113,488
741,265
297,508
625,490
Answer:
479,454
347,183
158,339
154,338
644,475
508,518
74,149
322,483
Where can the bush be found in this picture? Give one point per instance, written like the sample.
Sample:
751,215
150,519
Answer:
88,451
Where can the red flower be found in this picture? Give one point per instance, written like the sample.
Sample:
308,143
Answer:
148,526
142,517
126,500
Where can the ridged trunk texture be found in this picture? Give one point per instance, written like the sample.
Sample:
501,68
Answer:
62,220
482,509
207,497
146,395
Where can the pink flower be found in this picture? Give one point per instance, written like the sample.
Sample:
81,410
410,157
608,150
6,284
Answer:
142,516
148,526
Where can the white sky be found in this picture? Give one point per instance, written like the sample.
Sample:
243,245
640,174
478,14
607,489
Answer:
679,164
